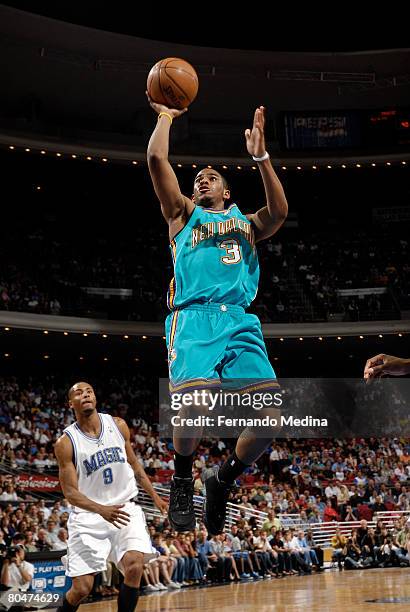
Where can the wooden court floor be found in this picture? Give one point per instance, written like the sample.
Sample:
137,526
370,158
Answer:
331,590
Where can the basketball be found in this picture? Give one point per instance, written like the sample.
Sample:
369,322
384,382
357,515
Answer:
172,82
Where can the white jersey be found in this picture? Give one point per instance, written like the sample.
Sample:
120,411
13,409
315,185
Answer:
104,474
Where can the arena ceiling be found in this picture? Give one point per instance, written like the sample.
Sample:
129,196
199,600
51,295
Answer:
64,68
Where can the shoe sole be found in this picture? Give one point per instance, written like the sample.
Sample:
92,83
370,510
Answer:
180,528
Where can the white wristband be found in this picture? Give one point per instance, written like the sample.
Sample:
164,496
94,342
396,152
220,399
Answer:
258,159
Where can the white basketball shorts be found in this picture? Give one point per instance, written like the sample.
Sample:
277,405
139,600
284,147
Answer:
92,541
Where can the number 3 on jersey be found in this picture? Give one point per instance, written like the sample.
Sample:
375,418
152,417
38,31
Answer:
107,476
232,249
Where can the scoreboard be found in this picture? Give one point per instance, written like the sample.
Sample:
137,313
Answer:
344,129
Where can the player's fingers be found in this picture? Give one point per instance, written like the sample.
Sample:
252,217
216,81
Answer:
120,520
376,360
247,134
123,515
378,370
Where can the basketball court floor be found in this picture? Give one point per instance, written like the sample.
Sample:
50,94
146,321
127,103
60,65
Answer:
373,590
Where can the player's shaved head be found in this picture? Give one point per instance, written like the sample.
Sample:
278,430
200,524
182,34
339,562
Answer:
78,385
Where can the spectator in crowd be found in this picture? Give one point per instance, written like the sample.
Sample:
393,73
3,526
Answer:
16,571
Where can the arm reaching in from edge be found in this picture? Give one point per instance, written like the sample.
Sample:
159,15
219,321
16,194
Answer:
379,365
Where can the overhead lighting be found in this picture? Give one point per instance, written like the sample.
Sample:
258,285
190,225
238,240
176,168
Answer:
27,150
163,337
239,167
284,167
254,168
343,165
225,167
298,167
38,188
400,335
104,336
85,335
105,358
380,335
209,166
194,165
58,154
404,163
136,359
314,167
388,163
104,159
66,333
46,356
7,329
11,147
328,166
361,337
320,338
339,337
301,338
281,339
43,152
81,358
7,354
126,337
134,162
358,165
374,165
89,157
45,332
74,156
179,165
144,337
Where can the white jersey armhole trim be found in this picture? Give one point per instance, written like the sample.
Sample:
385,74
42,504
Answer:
116,426
70,436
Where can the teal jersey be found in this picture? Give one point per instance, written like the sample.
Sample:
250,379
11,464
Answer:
215,259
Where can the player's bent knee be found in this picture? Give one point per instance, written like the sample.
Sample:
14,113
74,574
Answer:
82,586
133,570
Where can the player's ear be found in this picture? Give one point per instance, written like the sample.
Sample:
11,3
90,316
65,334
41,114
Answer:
227,194
193,197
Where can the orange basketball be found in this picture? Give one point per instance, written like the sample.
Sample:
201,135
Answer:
172,82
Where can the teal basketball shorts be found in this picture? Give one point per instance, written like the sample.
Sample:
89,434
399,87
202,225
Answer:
212,344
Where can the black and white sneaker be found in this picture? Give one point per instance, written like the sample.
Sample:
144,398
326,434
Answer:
181,512
214,511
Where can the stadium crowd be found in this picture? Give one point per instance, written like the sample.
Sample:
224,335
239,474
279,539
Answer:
297,483
301,277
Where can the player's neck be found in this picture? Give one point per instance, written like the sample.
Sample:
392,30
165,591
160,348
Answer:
214,206
90,425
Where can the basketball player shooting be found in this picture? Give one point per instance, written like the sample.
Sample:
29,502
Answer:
98,474
210,337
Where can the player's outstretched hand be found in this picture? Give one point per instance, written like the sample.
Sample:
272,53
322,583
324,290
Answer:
161,108
161,504
255,138
114,515
382,364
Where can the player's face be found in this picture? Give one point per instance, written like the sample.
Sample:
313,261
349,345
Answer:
209,188
82,399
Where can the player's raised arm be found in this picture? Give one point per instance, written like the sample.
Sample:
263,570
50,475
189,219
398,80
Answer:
268,219
69,483
175,206
139,472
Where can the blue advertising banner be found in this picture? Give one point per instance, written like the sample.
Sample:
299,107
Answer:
49,577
